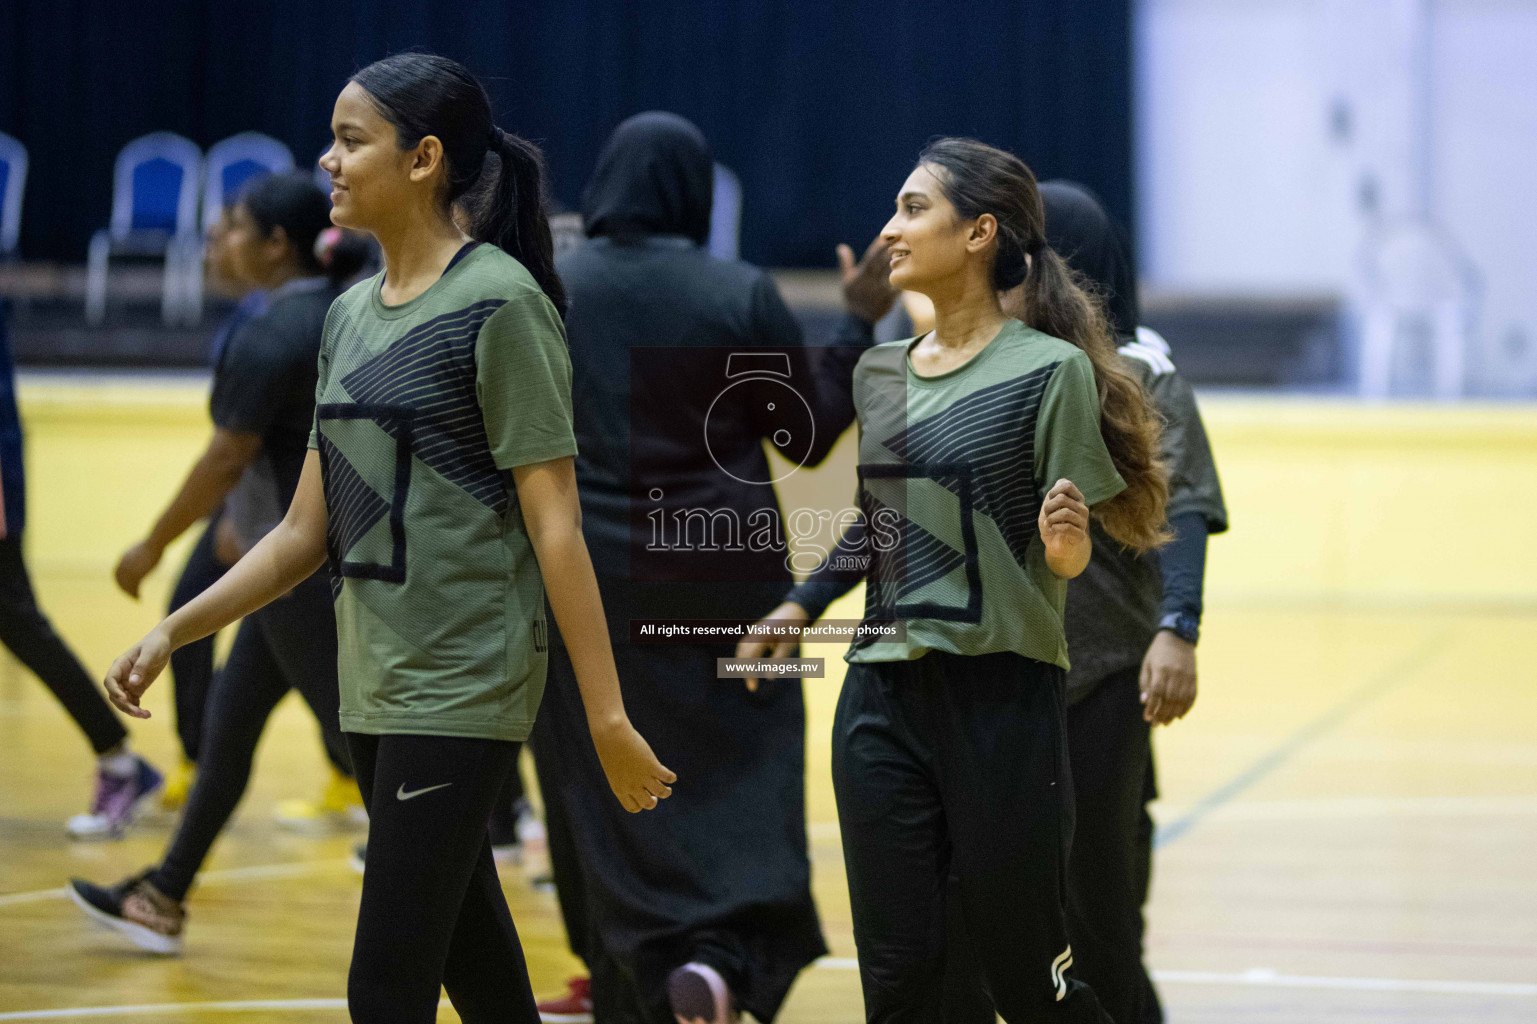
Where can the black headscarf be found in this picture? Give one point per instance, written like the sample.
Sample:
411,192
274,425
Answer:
1080,231
654,177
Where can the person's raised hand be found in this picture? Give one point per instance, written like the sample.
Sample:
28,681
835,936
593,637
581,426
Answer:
133,671
867,290
137,562
1168,679
758,644
637,778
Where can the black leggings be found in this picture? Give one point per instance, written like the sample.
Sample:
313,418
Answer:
433,914
951,765
289,644
192,665
26,631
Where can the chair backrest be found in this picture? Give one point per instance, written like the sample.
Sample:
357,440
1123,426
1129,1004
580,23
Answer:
155,185
232,162
13,181
726,215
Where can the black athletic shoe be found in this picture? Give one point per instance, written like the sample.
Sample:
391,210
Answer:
699,995
135,908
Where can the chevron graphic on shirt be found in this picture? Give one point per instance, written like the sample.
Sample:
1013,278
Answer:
918,559
431,370
352,507
993,431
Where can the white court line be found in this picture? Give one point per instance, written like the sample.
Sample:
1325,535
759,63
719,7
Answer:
253,873
32,897
244,1006
1264,977
1351,808
1257,976
1261,976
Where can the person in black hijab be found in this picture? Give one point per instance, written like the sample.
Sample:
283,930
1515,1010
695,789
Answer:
684,365
1132,624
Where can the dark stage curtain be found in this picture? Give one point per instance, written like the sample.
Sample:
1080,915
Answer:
819,107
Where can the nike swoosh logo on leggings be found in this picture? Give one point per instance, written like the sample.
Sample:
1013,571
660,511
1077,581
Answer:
401,793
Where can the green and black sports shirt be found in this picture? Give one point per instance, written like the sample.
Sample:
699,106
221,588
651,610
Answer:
953,470
422,410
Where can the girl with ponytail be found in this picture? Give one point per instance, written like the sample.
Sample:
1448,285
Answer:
1058,301
440,488
985,446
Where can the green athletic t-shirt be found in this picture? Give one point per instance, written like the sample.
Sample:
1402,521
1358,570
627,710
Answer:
953,471
422,410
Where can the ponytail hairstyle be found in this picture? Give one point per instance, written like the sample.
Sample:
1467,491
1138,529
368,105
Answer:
344,254
294,203
1059,301
423,94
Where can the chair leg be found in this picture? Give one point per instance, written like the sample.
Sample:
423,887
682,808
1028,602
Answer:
171,302
96,279
192,281
1451,351
1376,353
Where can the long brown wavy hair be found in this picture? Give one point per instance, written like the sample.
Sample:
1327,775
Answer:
1058,301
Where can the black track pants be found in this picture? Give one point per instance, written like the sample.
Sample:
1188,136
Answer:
28,634
958,765
1108,870
433,914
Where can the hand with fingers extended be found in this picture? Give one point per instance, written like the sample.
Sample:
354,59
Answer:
1064,528
867,290
757,644
131,674
1168,679
637,778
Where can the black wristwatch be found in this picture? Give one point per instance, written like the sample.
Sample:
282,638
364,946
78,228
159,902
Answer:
1183,625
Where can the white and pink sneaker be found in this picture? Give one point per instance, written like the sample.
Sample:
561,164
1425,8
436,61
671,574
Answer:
699,995
118,800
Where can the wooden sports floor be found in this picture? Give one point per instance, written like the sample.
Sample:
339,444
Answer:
1349,816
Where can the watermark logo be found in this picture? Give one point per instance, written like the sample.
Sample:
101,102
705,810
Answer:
856,537
760,388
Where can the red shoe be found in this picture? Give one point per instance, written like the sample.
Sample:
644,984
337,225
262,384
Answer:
575,1007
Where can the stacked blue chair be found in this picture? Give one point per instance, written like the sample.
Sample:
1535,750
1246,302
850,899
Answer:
229,164
726,215
235,161
13,181
154,213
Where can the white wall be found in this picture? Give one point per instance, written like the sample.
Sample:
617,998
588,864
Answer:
1260,123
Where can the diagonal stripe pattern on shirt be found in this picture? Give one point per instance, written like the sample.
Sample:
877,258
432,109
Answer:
352,506
993,429
432,369
916,560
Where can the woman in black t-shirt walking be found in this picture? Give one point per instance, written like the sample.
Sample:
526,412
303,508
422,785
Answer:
263,404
